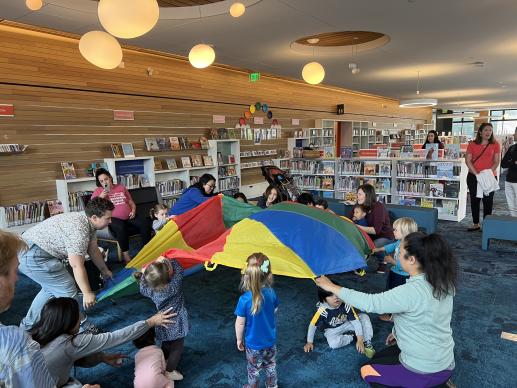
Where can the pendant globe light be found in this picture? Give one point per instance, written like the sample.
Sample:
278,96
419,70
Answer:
128,18
201,56
100,49
34,5
313,73
237,10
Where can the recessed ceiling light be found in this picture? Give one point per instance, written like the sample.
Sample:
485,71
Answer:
313,40
418,103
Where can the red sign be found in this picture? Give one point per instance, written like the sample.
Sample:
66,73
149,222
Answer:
123,115
6,110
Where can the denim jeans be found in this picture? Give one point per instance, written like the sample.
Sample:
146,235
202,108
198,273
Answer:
50,273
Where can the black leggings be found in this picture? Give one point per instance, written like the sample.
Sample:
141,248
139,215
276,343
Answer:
122,229
172,350
475,202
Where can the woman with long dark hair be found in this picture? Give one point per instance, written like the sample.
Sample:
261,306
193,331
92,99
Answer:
421,351
378,220
63,346
483,153
510,186
432,138
194,195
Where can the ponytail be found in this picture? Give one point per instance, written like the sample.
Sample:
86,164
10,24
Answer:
256,275
436,260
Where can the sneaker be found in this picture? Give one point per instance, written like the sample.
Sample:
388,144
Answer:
382,268
174,375
369,351
360,272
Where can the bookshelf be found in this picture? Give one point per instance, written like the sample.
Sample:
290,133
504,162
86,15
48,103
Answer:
314,175
69,192
227,159
20,217
322,139
132,172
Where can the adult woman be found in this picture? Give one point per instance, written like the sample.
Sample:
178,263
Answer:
378,220
510,186
194,195
484,153
269,198
432,138
124,218
62,345
422,354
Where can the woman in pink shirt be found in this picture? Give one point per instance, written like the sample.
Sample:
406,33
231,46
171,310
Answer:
124,219
150,363
483,153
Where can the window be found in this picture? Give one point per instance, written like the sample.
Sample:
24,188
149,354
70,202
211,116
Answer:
504,121
463,125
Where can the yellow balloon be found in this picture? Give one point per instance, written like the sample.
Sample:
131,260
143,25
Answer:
252,108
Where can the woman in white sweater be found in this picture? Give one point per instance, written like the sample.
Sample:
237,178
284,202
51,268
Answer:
63,346
422,349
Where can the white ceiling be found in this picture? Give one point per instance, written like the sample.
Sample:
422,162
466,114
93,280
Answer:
438,38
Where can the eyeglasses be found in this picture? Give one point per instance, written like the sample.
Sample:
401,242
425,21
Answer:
211,186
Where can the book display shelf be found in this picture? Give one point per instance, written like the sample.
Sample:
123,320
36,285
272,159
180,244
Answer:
362,136
132,172
20,217
70,191
226,156
315,175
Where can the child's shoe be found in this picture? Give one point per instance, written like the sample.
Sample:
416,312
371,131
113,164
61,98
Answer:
369,351
360,272
174,375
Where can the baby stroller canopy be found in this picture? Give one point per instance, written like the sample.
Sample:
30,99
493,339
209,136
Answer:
287,190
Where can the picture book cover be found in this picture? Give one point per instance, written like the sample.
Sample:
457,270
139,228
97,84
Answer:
220,158
207,160
204,142
406,151
197,161
436,190
445,170
385,168
408,201
369,169
452,151
231,171
185,162
175,143
68,170
195,145
162,144
222,133
451,189
127,150
347,152
231,133
231,159
383,152
151,144
55,207
184,143
171,164
426,202
213,133
116,148
431,151
157,164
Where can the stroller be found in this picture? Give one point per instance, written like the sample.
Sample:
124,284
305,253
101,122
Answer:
287,190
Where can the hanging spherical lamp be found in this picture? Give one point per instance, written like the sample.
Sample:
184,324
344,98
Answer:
313,73
237,10
34,5
101,49
128,19
201,56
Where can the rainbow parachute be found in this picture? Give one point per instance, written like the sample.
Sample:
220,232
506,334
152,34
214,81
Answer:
300,241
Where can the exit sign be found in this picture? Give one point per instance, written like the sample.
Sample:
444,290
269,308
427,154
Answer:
254,77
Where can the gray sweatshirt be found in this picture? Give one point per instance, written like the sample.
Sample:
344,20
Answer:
62,353
422,322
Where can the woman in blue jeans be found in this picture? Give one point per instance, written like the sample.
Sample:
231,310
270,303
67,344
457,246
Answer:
377,217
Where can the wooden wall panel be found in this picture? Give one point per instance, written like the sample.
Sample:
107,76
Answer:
64,107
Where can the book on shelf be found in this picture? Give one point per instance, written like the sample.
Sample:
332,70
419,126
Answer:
90,171
231,159
207,160
449,207
369,168
24,213
436,190
220,158
184,143
163,143
133,181
197,161
346,152
222,133
451,189
175,143
431,151
445,170
170,187
213,133
127,150
151,144
385,168
75,200
204,142
68,170
406,151
408,201
171,164
231,171
196,145
157,165
383,152
327,183
426,202
8,148
185,162
116,148
55,207
451,151
194,179
231,133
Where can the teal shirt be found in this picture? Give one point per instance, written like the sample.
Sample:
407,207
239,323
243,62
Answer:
394,250
422,322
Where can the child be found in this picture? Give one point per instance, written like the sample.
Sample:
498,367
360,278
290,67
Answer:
359,216
159,216
161,281
339,322
240,197
150,364
255,313
396,276
324,205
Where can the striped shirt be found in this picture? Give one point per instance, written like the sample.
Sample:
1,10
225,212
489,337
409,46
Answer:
63,235
21,363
